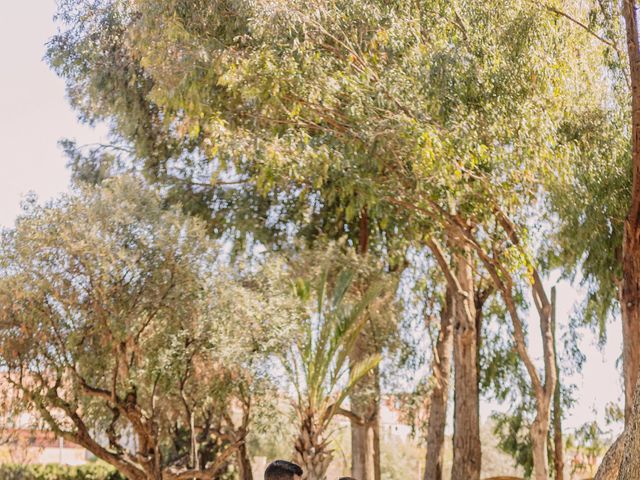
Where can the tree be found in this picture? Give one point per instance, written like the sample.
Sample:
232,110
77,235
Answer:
439,397
618,268
427,303
319,368
241,203
120,332
630,466
558,441
466,435
363,106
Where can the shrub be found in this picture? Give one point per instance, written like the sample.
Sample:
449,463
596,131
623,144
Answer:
92,471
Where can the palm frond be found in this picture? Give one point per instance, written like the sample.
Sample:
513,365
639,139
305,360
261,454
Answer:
329,337
357,373
343,282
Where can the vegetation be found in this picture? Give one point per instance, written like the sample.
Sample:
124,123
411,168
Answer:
112,326
59,472
318,365
314,203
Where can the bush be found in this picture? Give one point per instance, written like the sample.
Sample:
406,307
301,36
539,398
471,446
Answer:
92,471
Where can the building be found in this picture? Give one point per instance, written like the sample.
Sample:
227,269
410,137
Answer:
24,446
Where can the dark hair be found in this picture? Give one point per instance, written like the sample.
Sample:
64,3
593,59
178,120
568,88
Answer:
346,478
282,470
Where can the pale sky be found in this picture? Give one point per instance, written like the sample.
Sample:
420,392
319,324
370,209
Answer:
33,110
34,115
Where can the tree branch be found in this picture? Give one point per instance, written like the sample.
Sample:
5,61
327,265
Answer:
577,22
354,417
209,472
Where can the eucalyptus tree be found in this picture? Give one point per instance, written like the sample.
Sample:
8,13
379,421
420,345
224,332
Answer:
119,331
356,208
444,113
439,398
427,303
108,79
630,289
608,254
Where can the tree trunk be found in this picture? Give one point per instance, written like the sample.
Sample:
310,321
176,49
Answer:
630,297
544,392
365,404
610,466
630,466
365,396
539,434
558,444
466,436
440,394
311,451
362,450
245,471
479,299
377,459
630,313
625,458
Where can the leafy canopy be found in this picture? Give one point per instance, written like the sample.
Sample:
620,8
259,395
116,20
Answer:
116,318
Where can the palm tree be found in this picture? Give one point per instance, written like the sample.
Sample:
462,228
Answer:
318,365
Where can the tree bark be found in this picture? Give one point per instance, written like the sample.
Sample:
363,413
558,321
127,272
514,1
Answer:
544,391
610,466
630,297
466,436
440,394
377,458
623,454
311,451
365,396
539,434
630,313
630,465
245,472
479,300
558,444
365,404
362,447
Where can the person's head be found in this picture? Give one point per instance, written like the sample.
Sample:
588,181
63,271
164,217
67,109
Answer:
282,470
346,478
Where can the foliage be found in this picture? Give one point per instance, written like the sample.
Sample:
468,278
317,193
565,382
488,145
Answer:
587,203
589,443
89,471
115,318
279,120
318,362
344,115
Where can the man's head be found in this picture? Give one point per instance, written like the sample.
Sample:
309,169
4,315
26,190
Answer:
282,470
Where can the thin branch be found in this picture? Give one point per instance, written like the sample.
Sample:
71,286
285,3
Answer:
436,249
205,474
354,417
577,22
103,146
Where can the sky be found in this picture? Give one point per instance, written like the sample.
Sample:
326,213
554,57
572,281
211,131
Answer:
34,116
34,113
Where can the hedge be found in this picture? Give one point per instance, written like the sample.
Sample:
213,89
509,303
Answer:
91,471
